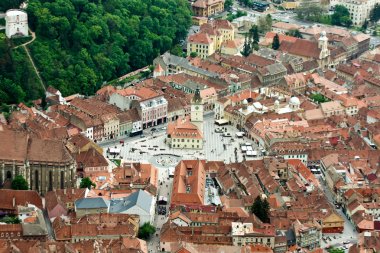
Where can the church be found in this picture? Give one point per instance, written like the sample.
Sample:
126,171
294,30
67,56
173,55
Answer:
45,164
187,132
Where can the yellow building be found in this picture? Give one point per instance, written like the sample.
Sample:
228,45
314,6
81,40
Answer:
333,223
210,38
290,5
201,44
206,8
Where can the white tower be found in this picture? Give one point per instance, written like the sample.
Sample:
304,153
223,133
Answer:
197,110
16,23
323,45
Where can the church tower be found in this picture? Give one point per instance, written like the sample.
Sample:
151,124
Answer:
325,52
197,110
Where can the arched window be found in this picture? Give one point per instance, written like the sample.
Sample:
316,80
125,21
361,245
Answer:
62,183
50,180
36,180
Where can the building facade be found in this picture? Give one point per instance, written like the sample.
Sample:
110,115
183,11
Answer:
16,23
206,8
359,9
45,164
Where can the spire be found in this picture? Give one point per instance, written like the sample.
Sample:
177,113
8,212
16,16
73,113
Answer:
197,96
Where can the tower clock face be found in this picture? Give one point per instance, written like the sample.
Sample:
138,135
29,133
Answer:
197,107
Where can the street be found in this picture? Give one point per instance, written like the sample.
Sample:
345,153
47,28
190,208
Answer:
349,232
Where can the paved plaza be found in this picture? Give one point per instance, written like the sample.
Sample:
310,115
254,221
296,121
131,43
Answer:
216,147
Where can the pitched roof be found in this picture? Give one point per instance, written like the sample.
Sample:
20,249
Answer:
200,38
140,198
189,182
19,197
90,203
301,47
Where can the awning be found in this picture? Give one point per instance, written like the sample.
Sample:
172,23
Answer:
221,121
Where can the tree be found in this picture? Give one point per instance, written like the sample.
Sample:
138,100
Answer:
86,183
193,54
276,42
310,12
177,50
319,98
246,47
341,16
375,13
146,231
10,220
228,4
10,4
19,183
255,46
264,24
261,208
295,33
335,250
43,102
365,25
254,32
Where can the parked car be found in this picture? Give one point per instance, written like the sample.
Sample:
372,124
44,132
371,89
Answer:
142,136
227,135
153,129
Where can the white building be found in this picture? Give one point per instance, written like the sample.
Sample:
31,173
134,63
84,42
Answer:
16,23
359,9
152,106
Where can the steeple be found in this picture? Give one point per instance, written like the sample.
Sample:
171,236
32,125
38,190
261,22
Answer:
197,97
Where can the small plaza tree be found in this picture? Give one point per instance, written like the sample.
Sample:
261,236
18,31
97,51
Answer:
19,183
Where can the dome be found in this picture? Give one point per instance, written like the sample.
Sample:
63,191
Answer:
323,34
294,101
245,102
276,102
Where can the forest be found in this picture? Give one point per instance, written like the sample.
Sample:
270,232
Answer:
82,44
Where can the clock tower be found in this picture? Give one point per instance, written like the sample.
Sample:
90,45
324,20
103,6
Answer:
197,110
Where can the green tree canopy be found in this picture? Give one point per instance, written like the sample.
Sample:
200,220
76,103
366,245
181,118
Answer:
335,250
10,4
341,16
260,208
228,4
19,183
375,13
82,43
276,42
10,220
310,12
193,54
87,183
295,33
146,231
319,98
264,23
254,32
247,50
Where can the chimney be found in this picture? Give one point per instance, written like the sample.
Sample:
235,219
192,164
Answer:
14,201
72,191
64,191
